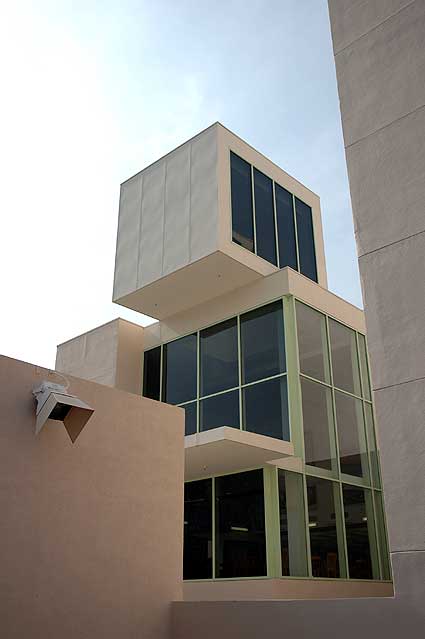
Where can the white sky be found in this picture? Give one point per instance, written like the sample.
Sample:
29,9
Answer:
93,91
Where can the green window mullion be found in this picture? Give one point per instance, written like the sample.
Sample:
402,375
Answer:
198,381
161,369
272,522
254,225
333,434
373,535
294,212
275,225
340,531
241,406
213,532
307,529
293,377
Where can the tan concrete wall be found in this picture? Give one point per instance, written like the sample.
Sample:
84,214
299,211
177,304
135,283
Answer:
283,282
110,354
91,532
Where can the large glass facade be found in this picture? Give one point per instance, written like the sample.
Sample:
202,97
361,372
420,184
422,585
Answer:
230,374
270,221
325,520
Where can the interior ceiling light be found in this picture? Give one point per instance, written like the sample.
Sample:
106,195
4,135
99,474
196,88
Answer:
54,402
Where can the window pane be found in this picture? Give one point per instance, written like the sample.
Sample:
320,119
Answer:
318,424
345,365
220,410
358,526
364,367
266,408
285,228
219,357
264,217
373,452
351,437
322,527
179,370
312,343
263,343
190,418
306,249
242,225
292,524
240,525
197,550
382,535
151,373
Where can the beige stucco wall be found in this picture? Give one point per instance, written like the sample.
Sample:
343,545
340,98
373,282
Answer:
91,532
110,354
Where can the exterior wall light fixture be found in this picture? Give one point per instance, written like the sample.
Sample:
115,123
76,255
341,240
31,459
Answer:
54,402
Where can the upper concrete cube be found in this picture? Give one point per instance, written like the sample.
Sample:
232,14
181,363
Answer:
175,245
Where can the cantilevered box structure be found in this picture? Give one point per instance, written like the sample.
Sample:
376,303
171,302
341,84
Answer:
282,472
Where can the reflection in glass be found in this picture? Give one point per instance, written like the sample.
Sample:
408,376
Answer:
358,526
285,228
364,367
373,451
262,342
382,535
292,524
264,217
197,549
242,224
190,418
266,408
345,365
322,527
305,233
180,370
240,525
312,342
151,373
220,410
219,357
351,435
318,424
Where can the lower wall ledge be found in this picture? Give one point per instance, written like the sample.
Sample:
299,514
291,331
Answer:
269,589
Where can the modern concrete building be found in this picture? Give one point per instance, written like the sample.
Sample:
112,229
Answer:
229,476
283,493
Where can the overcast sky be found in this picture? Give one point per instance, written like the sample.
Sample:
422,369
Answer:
94,91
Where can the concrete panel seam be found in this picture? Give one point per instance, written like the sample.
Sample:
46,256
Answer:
381,248
163,219
407,381
375,27
385,126
140,231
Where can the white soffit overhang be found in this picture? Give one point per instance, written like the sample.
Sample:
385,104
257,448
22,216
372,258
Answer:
224,450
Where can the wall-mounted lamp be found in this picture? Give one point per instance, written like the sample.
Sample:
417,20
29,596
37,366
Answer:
54,402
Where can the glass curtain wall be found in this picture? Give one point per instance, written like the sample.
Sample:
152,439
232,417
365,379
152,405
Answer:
269,221
230,374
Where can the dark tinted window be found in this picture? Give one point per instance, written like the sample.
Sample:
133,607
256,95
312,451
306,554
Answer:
285,228
151,373
197,550
322,527
357,532
318,424
219,357
241,186
190,418
306,250
351,435
345,364
220,410
312,343
240,526
264,217
263,343
266,408
179,370
292,524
